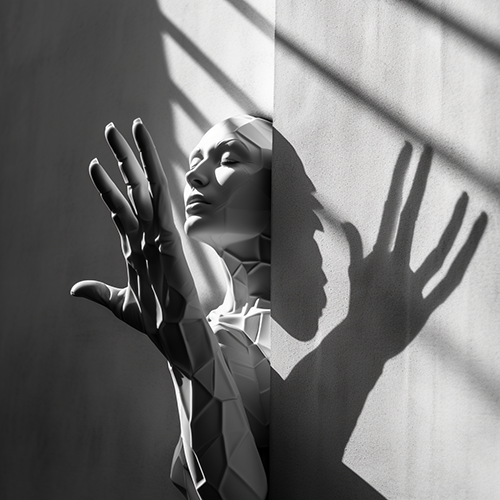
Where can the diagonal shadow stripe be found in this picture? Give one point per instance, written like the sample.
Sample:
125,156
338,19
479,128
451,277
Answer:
383,110
194,112
459,27
450,22
234,91
468,367
372,102
254,16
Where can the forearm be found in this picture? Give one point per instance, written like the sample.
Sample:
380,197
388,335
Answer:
220,449
350,358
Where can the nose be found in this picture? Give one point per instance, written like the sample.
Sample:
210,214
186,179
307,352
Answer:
196,177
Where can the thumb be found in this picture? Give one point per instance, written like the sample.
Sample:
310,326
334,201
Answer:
354,240
96,291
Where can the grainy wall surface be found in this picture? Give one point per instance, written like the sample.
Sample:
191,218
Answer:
87,406
87,409
354,80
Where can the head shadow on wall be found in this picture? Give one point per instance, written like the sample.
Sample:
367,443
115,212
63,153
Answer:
302,280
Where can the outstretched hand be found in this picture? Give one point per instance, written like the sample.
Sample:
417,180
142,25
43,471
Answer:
386,299
160,288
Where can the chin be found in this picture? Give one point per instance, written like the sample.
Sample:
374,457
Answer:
216,233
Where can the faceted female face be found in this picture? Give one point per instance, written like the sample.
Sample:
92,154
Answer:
227,195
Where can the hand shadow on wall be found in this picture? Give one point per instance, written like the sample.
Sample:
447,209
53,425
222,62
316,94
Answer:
316,408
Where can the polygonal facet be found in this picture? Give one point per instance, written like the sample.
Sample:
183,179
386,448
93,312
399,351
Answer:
196,336
206,425
213,460
224,387
200,397
175,348
205,376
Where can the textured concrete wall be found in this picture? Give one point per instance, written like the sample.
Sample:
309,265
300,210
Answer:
87,407
354,80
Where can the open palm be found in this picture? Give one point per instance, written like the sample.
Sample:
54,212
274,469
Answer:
160,290
386,299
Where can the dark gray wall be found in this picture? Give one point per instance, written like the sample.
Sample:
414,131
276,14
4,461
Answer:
87,409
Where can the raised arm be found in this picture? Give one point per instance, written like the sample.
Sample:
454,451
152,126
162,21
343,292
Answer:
160,300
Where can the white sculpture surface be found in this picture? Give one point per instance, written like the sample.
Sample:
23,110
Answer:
219,365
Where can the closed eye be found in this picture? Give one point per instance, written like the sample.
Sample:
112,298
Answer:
226,159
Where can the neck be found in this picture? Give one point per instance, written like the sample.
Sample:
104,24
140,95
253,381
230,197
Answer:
247,268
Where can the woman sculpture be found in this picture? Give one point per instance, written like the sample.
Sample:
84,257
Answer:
219,365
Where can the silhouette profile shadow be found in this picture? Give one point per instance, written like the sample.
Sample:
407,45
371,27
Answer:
315,410
295,201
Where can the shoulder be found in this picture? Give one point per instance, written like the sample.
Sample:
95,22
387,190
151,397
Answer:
233,338
244,330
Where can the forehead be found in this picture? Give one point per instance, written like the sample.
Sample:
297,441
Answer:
252,131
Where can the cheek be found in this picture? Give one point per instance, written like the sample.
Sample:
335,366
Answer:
187,191
223,175
249,196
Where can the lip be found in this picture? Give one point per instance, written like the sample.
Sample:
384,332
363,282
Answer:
196,198
194,202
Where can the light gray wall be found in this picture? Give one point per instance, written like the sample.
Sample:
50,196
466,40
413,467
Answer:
353,81
87,407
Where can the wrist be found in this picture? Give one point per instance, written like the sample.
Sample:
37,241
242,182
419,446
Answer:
188,345
361,344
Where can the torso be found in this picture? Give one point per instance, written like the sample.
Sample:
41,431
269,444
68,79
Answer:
245,343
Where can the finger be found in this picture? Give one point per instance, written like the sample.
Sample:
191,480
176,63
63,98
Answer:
147,149
408,218
436,258
393,202
113,198
173,263
355,244
132,173
96,291
127,226
459,265
118,300
157,180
